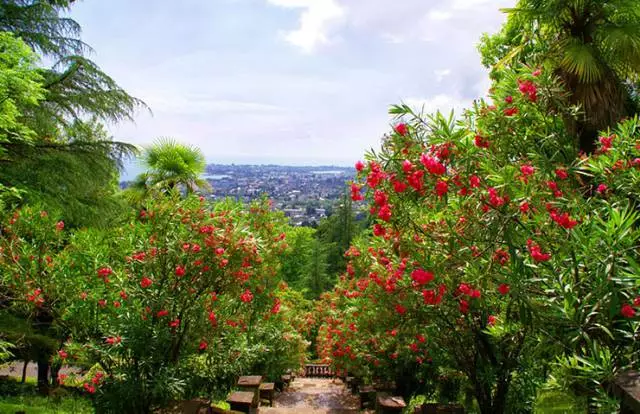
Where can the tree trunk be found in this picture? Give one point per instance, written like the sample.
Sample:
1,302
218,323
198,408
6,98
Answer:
24,370
43,374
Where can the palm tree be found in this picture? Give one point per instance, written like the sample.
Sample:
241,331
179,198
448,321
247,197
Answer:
594,47
171,165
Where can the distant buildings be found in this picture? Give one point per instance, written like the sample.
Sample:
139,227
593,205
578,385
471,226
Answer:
304,194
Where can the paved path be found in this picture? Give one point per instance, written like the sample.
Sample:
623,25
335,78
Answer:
315,396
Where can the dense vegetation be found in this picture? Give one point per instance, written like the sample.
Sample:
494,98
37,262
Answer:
499,260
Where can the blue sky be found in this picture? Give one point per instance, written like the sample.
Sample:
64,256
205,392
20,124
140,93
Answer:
286,81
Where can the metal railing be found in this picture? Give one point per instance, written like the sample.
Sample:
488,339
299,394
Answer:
318,370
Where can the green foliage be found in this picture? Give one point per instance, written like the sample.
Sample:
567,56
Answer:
593,45
75,174
20,87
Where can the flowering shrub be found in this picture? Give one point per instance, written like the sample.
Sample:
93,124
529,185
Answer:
184,285
495,249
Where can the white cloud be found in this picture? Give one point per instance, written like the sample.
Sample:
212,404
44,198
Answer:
441,74
442,102
315,22
439,15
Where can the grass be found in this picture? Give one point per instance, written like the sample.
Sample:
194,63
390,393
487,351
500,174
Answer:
558,402
15,396
43,405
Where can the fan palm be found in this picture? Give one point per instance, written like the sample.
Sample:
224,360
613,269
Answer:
171,165
594,46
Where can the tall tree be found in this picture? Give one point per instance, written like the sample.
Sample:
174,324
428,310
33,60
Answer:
592,45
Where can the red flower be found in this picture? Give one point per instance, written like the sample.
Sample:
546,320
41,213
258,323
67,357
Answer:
511,111
627,311
481,142
501,256
421,276
606,143
636,301
442,188
359,166
212,318
602,188
89,388
536,252
528,88
509,99
399,186
195,248
60,225
561,174
162,313
494,199
180,271
61,378
123,295
563,220
385,213
524,207
401,309
504,289
116,304
407,166
112,340
246,296
276,306
174,323
103,272
401,129
527,170
145,282
464,306
379,230
102,303
491,320
380,198
63,354
203,345
474,181
355,193
432,165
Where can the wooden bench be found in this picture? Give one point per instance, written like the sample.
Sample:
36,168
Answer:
251,383
387,404
436,408
267,392
626,386
367,395
242,401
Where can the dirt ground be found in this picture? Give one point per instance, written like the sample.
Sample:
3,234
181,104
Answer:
315,396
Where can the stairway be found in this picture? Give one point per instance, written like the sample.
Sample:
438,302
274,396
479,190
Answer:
314,396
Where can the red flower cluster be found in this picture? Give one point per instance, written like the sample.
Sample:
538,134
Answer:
481,142
528,89
421,277
563,220
104,273
401,129
246,296
536,252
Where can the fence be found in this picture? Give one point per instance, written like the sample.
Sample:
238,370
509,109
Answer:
318,370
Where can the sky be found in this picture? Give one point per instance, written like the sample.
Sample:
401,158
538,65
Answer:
299,82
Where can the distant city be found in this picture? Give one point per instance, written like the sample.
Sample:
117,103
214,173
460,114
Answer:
306,194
